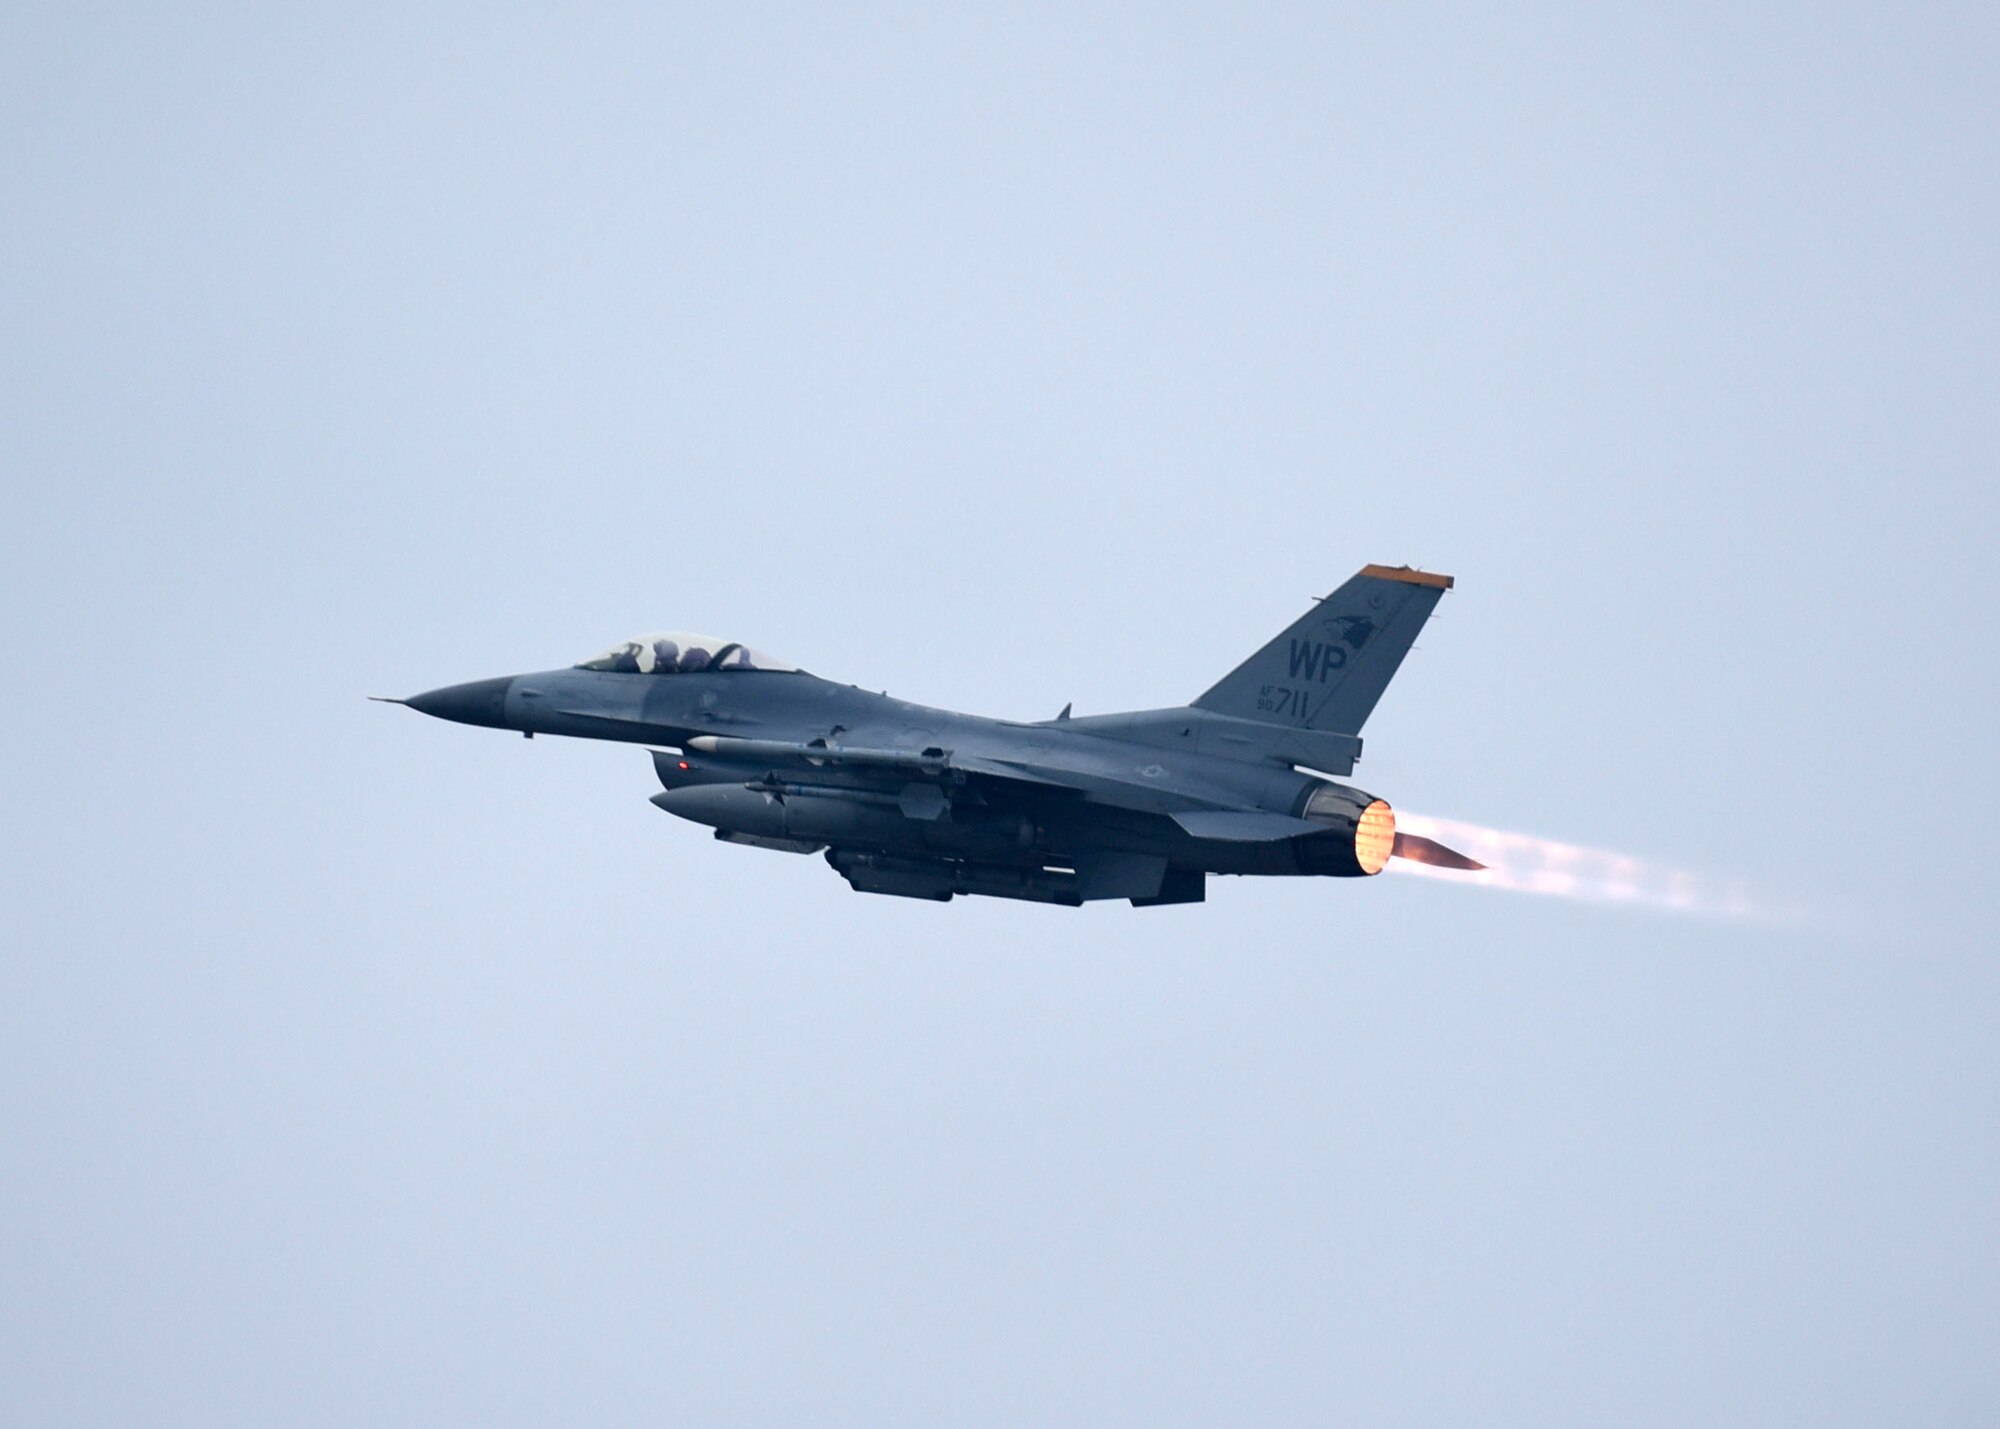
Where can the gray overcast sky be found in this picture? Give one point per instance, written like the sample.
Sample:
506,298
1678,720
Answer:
358,1068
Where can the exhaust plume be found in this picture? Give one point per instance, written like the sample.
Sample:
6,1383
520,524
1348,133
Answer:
1522,863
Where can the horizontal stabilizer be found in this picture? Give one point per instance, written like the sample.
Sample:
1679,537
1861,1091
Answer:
1249,826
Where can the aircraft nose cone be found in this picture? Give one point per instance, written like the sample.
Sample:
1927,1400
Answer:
480,702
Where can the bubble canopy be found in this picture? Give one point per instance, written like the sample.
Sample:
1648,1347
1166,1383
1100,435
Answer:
681,652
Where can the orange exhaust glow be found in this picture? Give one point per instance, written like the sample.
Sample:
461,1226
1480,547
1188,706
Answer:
1522,863
1375,837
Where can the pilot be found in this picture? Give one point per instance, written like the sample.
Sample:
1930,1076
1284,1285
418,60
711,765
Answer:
692,659
665,654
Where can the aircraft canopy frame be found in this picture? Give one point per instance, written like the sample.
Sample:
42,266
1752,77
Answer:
682,652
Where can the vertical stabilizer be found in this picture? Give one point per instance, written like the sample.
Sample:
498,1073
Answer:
1327,671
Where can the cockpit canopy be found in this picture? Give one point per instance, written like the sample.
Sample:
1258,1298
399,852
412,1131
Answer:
681,652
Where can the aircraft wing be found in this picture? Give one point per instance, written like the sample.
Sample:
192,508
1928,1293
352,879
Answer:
932,761
1016,778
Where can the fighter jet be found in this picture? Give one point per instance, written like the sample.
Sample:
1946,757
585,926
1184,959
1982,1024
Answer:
928,803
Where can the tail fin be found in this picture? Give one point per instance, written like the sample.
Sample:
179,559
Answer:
1330,668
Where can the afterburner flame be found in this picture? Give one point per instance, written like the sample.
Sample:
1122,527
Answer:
1522,863
1375,837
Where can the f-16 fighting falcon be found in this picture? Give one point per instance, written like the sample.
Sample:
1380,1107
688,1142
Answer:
927,803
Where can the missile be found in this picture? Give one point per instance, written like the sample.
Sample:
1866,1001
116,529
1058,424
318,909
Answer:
818,751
